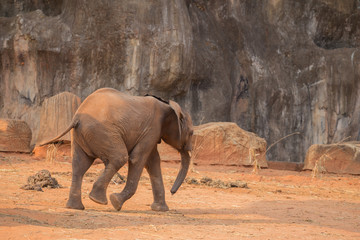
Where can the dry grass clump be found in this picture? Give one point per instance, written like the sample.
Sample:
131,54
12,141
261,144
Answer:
51,153
319,167
254,160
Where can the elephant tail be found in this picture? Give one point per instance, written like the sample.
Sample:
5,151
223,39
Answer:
75,122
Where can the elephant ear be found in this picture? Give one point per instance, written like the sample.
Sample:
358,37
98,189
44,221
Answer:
171,130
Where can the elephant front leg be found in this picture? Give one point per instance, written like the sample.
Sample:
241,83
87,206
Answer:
154,170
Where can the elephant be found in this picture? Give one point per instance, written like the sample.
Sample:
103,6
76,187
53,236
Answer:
119,128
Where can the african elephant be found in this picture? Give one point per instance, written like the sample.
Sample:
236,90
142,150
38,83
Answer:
119,128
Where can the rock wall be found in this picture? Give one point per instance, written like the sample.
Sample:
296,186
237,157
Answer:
274,67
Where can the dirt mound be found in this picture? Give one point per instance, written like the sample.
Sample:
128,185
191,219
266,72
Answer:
40,180
216,183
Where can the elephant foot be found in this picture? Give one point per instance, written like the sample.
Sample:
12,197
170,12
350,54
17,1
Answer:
161,207
98,197
73,204
116,201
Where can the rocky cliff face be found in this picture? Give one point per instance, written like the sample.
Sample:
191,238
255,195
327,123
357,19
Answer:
274,67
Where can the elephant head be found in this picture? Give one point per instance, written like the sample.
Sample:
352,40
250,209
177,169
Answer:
177,131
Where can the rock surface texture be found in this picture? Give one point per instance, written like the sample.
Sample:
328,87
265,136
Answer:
15,136
56,115
273,67
222,143
334,158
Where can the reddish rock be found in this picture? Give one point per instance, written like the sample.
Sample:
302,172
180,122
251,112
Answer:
62,152
334,158
56,115
221,143
15,136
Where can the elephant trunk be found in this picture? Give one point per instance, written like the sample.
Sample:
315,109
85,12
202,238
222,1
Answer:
185,162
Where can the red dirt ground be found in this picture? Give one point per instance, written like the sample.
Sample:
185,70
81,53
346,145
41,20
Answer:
277,205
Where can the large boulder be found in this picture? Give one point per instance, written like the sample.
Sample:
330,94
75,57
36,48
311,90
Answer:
222,143
15,136
334,158
56,115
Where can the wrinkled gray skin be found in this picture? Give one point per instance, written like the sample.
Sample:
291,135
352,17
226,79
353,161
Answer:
119,128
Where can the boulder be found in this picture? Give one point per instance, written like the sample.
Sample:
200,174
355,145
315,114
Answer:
222,143
15,136
334,158
56,115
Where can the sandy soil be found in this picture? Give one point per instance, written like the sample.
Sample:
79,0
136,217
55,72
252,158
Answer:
277,205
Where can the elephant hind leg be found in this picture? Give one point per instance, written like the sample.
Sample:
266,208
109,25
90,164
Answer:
138,157
98,192
81,162
134,173
137,162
